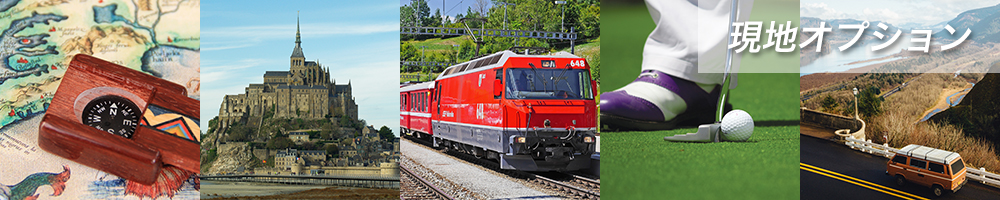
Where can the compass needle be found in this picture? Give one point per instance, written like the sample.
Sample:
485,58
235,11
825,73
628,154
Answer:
122,124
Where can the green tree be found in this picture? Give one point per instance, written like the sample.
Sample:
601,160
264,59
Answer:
589,21
239,133
828,103
467,50
332,150
407,16
386,133
346,121
210,156
213,124
280,143
409,52
434,20
869,101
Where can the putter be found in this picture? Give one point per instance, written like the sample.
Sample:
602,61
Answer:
710,132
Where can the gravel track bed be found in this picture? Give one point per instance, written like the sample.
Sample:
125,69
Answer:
412,188
586,183
477,181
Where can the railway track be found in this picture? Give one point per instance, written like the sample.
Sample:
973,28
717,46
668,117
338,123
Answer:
586,183
570,185
413,186
565,187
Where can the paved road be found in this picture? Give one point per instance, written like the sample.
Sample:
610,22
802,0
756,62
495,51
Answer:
831,170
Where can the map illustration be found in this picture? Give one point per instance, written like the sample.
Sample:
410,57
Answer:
38,39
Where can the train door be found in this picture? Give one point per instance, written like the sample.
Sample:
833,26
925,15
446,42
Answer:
437,101
403,118
498,90
436,128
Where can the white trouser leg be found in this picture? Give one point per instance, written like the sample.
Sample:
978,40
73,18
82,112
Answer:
688,34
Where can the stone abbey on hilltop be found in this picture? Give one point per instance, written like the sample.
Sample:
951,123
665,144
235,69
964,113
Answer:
305,91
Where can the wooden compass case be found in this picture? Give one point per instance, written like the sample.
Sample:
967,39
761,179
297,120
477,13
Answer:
98,92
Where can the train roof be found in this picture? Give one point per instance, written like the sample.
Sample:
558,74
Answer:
928,153
481,63
418,86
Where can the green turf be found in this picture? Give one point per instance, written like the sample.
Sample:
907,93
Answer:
641,165
438,44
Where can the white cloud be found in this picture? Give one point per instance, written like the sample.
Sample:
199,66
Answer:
211,73
822,11
248,36
880,15
313,30
925,12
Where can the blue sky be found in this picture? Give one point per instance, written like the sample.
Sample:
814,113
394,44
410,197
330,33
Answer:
357,40
892,11
451,7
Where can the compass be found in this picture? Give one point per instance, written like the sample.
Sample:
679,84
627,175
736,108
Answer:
112,114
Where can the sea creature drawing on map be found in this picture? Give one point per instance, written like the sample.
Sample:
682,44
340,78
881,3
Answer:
26,188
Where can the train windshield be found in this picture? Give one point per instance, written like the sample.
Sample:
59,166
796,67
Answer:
528,83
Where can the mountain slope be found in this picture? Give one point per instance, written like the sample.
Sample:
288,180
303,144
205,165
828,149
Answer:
983,22
978,114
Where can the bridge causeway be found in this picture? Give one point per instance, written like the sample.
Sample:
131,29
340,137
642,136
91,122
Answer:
383,182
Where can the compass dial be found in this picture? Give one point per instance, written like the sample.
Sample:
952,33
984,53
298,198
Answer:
112,114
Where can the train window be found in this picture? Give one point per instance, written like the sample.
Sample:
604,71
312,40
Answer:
438,92
498,77
469,66
529,83
585,83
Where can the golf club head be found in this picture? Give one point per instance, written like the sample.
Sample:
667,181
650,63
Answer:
706,133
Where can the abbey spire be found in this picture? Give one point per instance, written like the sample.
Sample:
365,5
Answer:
297,52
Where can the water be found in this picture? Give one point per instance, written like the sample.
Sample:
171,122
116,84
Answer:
837,61
211,189
951,103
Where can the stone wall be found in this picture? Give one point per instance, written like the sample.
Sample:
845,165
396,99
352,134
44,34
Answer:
828,120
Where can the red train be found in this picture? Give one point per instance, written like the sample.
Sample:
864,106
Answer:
528,112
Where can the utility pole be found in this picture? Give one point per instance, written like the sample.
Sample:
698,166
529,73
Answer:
422,49
505,4
562,22
416,12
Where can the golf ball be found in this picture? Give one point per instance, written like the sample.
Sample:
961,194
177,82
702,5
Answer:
737,126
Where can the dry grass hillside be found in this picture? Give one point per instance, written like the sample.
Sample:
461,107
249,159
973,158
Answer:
903,111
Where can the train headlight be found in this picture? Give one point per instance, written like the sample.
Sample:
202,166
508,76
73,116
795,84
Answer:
520,140
588,139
